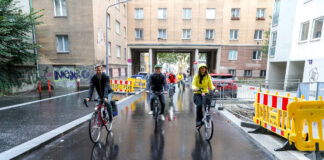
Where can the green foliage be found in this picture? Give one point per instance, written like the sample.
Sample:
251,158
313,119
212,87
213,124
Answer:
265,47
16,44
172,58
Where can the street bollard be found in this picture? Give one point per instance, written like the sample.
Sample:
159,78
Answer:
39,88
49,86
78,83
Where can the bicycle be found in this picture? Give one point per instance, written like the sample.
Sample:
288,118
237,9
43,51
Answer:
156,107
171,90
97,121
208,101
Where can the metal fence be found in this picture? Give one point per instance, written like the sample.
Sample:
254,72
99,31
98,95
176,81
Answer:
310,90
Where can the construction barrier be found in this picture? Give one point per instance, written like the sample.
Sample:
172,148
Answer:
297,120
121,86
138,83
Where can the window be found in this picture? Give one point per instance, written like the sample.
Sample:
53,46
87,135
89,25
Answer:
235,14
117,1
186,13
304,31
262,73
162,34
234,34
276,13
247,73
125,32
108,20
139,13
118,51
257,55
62,44
186,34
125,54
109,48
260,14
60,7
210,13
232,72
232,55
119,72
258,34
162,13
317,28
117,27
138,33
273,44
209,34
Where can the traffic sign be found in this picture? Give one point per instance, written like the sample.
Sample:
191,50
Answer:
195,62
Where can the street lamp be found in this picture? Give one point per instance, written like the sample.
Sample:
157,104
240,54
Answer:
107,30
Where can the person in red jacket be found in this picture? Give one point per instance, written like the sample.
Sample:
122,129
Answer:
172,79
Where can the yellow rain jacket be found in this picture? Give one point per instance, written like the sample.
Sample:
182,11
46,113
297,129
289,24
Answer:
179,77
205,83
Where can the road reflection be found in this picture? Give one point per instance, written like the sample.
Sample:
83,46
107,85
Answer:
202,149
157,144
105,150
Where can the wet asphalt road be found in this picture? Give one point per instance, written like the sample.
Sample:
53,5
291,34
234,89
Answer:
133,137
21,124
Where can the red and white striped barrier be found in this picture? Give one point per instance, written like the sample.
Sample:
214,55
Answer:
274,101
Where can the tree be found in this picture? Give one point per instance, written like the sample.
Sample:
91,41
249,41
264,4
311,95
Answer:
16,45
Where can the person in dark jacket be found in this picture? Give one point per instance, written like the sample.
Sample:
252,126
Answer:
101,82
157,83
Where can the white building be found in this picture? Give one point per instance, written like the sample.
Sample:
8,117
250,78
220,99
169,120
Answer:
296,41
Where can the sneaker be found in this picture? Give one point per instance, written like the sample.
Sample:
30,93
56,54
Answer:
150,112
162,117
198,124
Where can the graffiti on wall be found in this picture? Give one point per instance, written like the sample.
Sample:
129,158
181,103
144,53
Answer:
313,75
66,74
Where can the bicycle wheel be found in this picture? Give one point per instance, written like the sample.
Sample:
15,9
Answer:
108,126
95,127
209,128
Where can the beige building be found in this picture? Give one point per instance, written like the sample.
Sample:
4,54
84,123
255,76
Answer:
73,39
231,32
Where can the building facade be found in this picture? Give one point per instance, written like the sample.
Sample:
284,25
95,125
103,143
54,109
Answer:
297,41
230,32
73,36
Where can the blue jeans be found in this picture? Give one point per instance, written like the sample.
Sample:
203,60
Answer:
162,101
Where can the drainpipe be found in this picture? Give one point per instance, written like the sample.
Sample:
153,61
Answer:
34,41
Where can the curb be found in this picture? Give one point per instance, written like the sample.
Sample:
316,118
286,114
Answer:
51,135
266,142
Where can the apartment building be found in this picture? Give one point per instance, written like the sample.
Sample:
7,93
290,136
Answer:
230,32
73,39
297,41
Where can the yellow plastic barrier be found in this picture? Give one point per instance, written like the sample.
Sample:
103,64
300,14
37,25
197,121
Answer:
138,83
312,114
143,84
288,118
122,86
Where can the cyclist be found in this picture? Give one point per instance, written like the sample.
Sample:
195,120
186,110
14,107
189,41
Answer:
180,81
157,83
172,79
101,82
201,80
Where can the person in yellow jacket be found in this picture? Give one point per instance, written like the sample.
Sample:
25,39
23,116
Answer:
201,80
180,81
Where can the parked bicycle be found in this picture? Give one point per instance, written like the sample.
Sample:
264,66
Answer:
208,101
98,119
